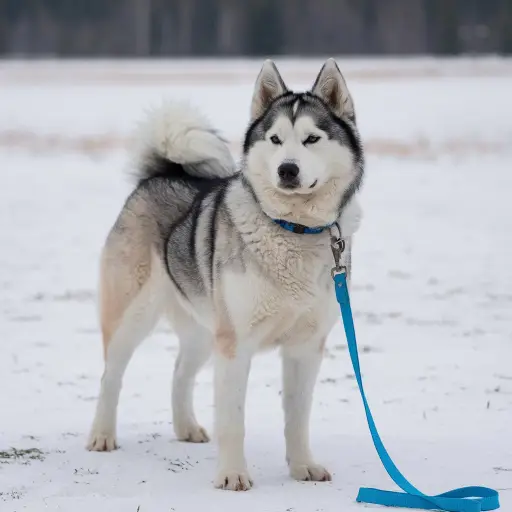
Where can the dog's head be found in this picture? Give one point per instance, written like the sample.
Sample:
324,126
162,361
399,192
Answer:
303,157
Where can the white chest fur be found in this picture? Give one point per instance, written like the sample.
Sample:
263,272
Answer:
286,294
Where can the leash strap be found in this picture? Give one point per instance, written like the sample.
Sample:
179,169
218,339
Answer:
465,499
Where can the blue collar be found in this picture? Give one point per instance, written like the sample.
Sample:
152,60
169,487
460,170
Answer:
301,229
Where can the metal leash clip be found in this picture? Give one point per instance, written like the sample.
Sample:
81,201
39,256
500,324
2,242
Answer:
337,247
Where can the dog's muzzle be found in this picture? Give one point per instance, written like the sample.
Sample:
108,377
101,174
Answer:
288,173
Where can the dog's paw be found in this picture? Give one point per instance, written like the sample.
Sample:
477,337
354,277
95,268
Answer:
101,442
192,434
233,480
310,473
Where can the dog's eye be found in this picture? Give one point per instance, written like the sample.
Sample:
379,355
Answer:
275,140
312,139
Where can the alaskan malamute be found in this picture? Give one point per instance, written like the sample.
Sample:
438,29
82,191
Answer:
239,260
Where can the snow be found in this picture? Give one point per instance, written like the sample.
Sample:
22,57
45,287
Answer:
432,295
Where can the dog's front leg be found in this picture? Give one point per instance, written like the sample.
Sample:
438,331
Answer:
300,369
232,363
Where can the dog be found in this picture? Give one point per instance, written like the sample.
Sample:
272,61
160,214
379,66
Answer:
237,257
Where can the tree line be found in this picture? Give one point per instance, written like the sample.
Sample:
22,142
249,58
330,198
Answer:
253,27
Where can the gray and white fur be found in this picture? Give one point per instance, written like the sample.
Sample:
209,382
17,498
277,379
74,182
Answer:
196,241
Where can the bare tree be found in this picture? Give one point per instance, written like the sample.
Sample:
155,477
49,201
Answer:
142,27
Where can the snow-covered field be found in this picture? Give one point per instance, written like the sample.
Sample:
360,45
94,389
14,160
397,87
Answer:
432,293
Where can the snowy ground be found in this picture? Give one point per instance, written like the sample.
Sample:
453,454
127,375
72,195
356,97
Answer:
432,293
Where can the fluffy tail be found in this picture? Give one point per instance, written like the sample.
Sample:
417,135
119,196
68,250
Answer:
176,138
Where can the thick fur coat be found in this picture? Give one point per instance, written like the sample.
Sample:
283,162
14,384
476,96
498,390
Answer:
197,241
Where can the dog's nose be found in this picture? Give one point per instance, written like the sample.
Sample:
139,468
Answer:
288,173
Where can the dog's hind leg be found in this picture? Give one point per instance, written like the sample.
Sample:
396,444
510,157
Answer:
131,303
195,349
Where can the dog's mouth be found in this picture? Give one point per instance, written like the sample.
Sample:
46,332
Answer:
298,191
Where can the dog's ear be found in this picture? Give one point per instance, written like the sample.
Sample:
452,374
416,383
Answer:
269,85
332,88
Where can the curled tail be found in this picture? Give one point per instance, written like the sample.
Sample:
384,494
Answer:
175,139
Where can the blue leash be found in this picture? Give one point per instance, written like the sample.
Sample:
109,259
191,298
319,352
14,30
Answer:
465,499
